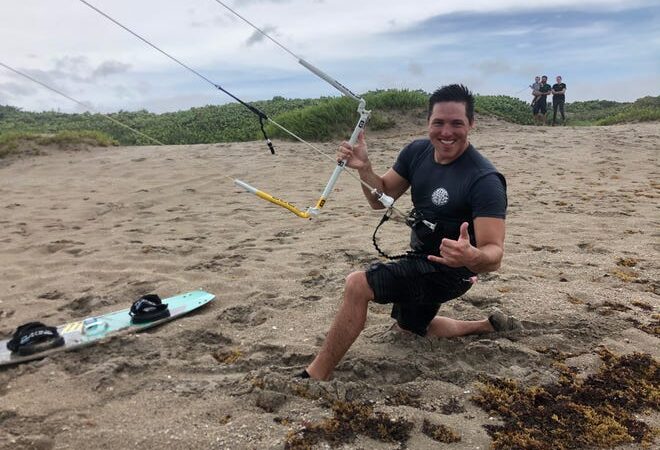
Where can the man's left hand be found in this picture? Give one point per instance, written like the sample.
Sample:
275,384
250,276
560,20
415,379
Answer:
457,253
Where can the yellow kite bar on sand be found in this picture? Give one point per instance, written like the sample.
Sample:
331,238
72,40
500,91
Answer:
278,201
386,200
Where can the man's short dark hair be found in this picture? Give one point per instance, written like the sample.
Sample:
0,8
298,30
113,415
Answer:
453,93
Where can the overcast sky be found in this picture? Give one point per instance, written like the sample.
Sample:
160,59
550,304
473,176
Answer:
604,49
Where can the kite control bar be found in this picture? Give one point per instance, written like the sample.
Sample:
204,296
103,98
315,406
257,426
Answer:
310,212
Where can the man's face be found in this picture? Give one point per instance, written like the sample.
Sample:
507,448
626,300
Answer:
558,79
448,130
537,79
544,79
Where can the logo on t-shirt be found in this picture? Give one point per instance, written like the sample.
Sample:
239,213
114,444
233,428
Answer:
440,197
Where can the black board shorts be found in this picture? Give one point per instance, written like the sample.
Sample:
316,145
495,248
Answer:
540,107
417,288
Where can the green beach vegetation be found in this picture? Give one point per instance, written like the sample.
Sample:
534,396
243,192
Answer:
29,142
312,119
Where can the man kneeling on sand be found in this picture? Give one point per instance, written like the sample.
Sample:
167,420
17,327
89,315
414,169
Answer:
453,186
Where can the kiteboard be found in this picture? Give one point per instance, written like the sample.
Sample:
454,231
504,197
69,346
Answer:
94,329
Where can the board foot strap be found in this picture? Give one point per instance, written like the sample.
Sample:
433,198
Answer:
34,337
148,308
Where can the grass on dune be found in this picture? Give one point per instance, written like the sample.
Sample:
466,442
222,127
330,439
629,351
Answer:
17,141
320,119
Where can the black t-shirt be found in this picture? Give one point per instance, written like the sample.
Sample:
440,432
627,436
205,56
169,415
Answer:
449,194
545,87
558,97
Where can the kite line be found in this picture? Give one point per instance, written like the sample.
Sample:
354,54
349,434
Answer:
25,75
384,199
310,212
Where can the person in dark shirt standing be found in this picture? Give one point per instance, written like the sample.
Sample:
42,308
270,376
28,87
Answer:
558,100
541,106
452,186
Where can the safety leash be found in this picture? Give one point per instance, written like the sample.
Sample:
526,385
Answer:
408,254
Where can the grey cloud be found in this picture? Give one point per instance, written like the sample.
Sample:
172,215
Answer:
415,69
493,66
213,21
123,92
110,68
79,69
71,68
10,89
72,64
143,87
47,77
70,75
258,37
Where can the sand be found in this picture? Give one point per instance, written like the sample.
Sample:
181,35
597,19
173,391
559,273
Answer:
86,232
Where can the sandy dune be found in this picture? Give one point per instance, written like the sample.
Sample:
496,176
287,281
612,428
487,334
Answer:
87,232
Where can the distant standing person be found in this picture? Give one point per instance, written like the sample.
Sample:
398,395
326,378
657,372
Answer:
558,100
535,87
541,106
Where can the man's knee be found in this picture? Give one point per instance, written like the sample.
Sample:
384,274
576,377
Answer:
357,287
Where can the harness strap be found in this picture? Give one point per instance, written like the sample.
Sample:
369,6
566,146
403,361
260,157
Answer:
148,308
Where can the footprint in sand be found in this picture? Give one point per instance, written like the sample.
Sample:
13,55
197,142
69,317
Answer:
387,371
241,315
156,249
219,263
62,244
589,247
51,295
193,344
356,257
109,207
85,305
482,302
283,237
315,278
243,244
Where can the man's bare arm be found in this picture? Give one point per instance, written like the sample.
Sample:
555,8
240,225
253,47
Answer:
391,183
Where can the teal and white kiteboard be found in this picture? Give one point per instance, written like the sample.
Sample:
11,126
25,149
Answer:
94,329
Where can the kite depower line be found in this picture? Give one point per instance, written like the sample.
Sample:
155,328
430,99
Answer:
311,211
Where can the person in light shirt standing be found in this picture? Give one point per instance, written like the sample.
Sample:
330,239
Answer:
535,87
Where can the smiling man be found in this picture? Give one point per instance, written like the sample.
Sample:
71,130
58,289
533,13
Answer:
452,186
